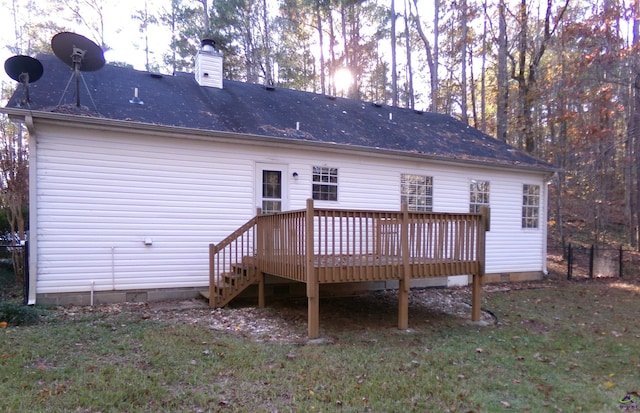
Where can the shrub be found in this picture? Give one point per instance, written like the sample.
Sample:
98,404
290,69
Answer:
17,314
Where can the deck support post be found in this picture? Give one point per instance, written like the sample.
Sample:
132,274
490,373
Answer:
405,280
261,301
476,297
212,276
483,227
313,287
259,251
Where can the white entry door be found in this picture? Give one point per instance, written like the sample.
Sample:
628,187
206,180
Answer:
271,188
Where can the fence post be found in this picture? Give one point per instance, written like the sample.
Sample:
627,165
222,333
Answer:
591,256
25,271
620,252
569,262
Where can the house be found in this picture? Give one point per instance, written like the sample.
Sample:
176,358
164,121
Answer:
129,188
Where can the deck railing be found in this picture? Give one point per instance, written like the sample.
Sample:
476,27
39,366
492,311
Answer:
363,245
353,245
235,252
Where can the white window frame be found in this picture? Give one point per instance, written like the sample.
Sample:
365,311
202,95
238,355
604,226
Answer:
530,206
324,185
417,192
479,191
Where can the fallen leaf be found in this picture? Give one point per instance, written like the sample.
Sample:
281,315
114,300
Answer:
506,404
608,384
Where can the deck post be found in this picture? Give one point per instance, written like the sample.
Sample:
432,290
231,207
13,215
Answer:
313,299
261,301
258,253
405,280
212,277
476,288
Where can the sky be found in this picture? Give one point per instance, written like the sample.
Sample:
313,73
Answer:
122,34
121,31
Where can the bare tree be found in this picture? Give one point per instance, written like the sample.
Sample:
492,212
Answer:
431,52
525,67
463,62
14,188
503,81
394,64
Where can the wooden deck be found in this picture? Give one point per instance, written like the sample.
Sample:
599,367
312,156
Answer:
323,246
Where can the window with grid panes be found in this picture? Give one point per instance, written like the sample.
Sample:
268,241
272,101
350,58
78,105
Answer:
417,192
325,183
530,206
478,194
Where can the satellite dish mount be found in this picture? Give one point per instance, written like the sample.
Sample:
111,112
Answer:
24,69
79,53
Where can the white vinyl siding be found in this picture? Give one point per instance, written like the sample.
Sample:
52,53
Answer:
100,196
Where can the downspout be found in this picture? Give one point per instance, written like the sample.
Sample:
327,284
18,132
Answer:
545,222
33,216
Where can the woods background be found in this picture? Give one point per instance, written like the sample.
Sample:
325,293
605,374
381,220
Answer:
557,78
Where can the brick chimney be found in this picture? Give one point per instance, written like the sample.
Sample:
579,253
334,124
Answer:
208,65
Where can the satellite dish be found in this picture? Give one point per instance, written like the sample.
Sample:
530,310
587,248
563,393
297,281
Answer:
79,53
24,69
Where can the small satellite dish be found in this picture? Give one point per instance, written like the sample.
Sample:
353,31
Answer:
24,69
79,53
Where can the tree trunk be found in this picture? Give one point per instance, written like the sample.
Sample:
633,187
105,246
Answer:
463,64
483,83
432,54
394,64
321,44
632,194
636,162
503,84
266,55
412,100
332,51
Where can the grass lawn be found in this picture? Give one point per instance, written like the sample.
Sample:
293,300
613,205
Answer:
557,346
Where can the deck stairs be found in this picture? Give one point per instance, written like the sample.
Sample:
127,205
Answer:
232,283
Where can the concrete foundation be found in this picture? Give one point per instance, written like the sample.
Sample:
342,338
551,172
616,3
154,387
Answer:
274,288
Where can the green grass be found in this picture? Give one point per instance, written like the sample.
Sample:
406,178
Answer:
567,346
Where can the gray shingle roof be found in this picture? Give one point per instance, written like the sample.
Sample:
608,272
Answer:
273,112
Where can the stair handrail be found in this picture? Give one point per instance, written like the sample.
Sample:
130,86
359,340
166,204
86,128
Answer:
214,249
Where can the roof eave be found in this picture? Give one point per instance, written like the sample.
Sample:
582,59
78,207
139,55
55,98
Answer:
181,132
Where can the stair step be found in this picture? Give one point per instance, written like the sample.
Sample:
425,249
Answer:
232,282
221,285
242,268
249,261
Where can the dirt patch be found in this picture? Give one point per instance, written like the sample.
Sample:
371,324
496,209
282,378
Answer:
285,321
